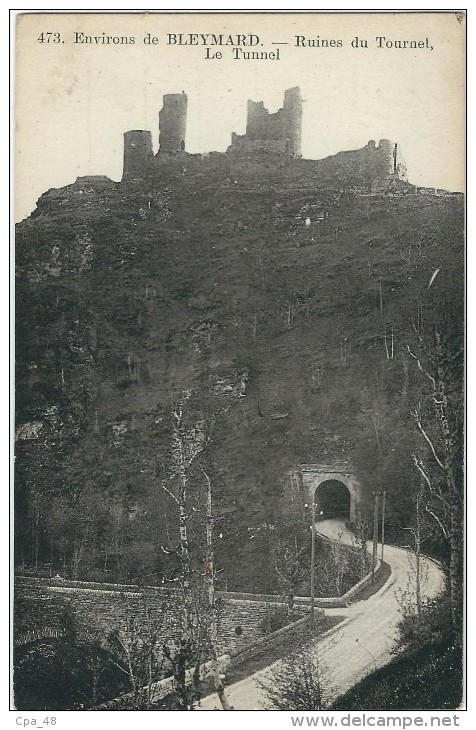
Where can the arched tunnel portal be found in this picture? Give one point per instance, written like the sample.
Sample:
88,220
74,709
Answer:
335,489
332,500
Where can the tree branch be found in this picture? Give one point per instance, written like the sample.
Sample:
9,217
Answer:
443,528
170,493
420,366
419,465
416,416
283,577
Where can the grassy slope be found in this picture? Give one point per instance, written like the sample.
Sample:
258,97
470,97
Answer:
430,679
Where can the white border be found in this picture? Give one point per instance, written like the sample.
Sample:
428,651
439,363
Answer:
204,720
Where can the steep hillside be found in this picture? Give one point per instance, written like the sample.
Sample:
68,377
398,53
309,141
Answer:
284,307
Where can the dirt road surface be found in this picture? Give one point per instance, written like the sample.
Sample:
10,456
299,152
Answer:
366,636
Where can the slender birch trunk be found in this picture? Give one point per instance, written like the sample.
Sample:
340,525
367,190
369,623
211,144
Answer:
219,687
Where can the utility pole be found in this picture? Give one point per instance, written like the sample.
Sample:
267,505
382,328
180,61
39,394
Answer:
383,521
313,555
375,541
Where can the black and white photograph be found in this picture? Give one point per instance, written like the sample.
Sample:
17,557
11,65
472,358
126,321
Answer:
239,364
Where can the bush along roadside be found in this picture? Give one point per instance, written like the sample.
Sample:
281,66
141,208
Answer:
426,673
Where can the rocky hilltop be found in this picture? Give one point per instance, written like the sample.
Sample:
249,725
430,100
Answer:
279,294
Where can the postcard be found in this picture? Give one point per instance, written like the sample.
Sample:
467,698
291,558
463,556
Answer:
240,320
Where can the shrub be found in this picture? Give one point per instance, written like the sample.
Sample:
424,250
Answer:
65,674
426,674
430,678
416,632
296,683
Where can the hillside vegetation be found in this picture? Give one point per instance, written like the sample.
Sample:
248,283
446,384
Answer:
290,335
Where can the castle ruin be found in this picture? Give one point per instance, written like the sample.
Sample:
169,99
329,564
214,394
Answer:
271,142
138,152
279,132
173,123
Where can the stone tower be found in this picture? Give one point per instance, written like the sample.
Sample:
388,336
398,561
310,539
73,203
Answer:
391,155
172,123
138,153
292,118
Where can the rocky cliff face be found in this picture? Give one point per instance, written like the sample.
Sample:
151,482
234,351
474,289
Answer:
264,294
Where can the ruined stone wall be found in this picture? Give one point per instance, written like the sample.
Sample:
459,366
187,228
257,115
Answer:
173,123
270,142
182,164
388,160
283,128
370,169
244,146
261,125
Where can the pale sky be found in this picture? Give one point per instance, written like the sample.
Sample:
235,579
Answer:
75,101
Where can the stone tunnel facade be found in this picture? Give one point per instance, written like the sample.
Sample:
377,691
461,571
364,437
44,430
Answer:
312,476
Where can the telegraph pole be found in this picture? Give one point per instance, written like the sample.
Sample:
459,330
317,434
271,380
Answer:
374,554
313,556
383,521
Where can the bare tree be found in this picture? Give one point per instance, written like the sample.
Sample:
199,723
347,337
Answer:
389,341
186,445
199,621
440,425
418,535
361,530
210,573
36,509
288,558
339,564
138,650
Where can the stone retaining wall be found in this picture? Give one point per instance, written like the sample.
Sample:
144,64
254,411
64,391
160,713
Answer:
105,607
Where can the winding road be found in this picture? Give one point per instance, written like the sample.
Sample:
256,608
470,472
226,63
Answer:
363,641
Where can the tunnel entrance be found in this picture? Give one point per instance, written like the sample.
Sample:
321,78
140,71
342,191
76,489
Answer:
334,485
332,500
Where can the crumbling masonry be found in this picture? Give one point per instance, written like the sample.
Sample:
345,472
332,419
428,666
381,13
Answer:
279,132
271,141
